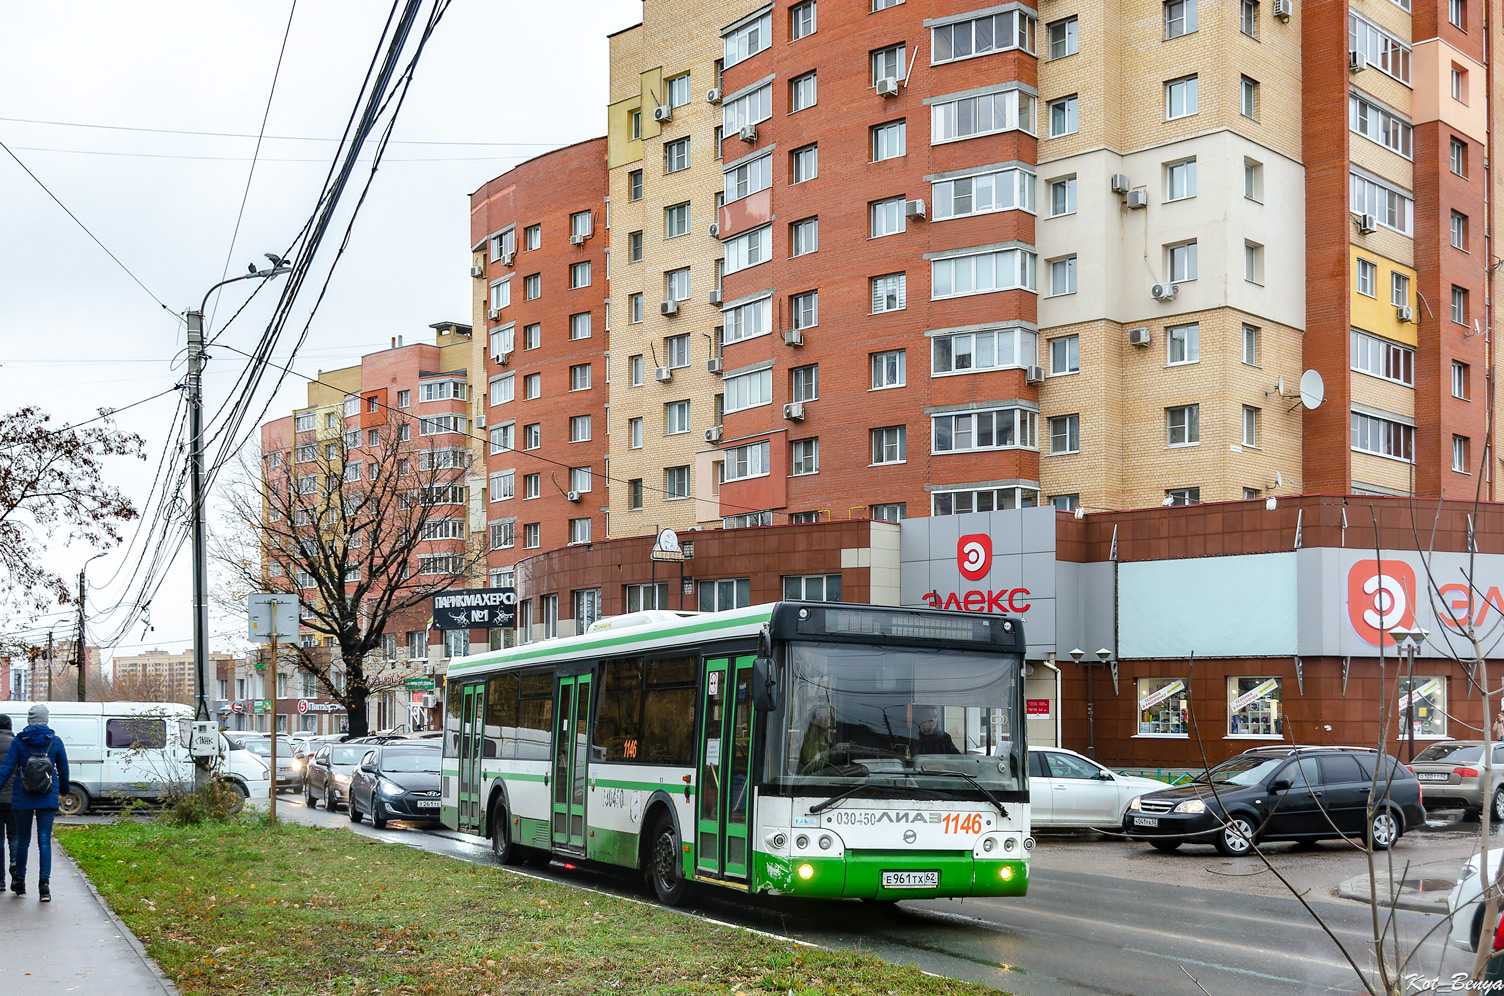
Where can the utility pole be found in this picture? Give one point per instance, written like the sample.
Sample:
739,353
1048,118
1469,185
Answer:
196,499
276,673
80,650
49,665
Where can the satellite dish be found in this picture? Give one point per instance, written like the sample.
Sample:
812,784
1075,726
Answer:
1279,479
1312,389
1279,385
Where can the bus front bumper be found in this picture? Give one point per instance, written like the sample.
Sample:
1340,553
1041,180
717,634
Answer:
859,875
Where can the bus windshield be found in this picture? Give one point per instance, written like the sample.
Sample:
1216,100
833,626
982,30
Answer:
896,719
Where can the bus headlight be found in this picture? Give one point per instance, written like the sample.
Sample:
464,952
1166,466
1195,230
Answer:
777,841
825,842
1191,806
806,871
801,842
987,844
1008,844
1005,872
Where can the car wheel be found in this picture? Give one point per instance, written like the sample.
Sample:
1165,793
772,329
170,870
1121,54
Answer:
665,867
353,811
1498,804
1386,830
378,815
238,795
74,802
1165,845
1235,839
308,799
331,801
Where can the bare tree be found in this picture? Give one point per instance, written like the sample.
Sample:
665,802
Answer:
364,532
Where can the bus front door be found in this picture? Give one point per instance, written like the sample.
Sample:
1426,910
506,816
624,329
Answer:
725,764
571,756
472,743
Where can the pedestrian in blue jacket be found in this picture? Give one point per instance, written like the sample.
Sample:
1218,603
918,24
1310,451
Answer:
35,757
7,819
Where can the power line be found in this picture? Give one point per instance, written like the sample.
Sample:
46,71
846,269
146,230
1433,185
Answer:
278,138
267,159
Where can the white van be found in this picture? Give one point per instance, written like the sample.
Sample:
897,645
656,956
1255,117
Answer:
134,750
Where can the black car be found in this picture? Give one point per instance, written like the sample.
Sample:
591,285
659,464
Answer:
1283,793
397,781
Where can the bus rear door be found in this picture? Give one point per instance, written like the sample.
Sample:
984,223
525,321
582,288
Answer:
725,766
472,744
571,755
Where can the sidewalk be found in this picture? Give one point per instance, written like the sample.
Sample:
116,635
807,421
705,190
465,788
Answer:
72,944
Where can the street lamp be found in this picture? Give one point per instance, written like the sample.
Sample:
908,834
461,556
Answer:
1409,642
82,650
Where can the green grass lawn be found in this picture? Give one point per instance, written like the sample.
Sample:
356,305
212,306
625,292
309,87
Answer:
244,908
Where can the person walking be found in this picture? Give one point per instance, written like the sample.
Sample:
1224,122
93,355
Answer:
7,818
39,765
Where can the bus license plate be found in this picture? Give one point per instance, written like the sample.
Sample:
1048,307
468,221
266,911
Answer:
1145,821
427,803
911,880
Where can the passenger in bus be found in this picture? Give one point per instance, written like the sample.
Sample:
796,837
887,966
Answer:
932,739
819,735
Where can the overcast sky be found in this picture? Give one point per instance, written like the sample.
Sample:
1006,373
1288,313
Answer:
502,81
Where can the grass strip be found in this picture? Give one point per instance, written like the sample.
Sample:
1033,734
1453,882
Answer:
248,908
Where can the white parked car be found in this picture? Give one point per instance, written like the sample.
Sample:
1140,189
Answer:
1069,790
1465,901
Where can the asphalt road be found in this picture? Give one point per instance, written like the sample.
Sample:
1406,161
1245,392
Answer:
1136,923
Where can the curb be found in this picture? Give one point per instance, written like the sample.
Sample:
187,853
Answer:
1356,888
130,936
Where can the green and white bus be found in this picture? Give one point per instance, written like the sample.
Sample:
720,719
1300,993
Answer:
801,748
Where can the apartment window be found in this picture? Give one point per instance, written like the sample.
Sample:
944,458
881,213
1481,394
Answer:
373,437
888,293
1251,345
1063,196
886,217
676,284
1459,231
804,457
1389,206
1003,428
1253,180
1065,355
1250,426
675,483
579,479
676,153
1065,434
895,511
1065,503
532,336
749,249
748,460
1459,157
1063,276
1180,18
747,321
749,109
804,164
634,433
501,437
804,236
983,193
801,92
1180,180
1180,98
634,308
1253,262
634,494
501,294
579,432
748,178
888,369
1248,102
1181,260
579,377
805,309
676,348
1457,13
675,418
634,181
981,36
878,5
802,20
532,485
1383,51
1383,437
1379,125
988,349
634,124
404,432
1459,305
441,390
1184,425
532,286
503,485
1459,454
676,220
1183,343
985,114
503,534
1459,380
677,90
581,224
731,593
532,386
1063,116
981,273
749,390
888,444
579,274
634,247
888,141
634,369
1184,496
532,237
503,243
1459,84
1399,289
1063,37
532,436
804,383
747,39
1248,17
888,64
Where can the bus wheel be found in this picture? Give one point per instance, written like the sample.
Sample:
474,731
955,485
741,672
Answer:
666,868
501,838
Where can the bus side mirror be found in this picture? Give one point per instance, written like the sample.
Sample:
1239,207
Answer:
762,684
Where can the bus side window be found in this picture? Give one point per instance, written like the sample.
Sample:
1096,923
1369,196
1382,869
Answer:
501,716
618,714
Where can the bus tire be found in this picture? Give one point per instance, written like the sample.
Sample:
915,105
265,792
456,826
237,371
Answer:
506,852
665,866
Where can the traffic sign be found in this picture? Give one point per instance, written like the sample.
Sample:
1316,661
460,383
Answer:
237,707
419,684
271,615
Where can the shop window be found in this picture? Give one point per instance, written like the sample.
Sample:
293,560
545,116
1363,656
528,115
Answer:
1254,707
1427,695
1163,707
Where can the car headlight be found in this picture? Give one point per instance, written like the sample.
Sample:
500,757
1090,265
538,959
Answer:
388,787
1191,806
341,779
1466,872
296,764
1134,805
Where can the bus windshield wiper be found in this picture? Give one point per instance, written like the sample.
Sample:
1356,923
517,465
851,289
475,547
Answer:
961,774
838,797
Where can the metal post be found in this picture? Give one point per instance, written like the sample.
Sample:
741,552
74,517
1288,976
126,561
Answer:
49,666
81,651
1091,730
1410,648
196,499
272,802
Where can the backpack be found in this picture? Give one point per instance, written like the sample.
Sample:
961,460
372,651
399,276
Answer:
36,773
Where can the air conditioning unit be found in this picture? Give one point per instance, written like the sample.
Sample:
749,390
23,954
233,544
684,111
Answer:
794,411
577,240
913,209
713,434
477,271
713,95
715,364
430,700
1136,199
1120,183
1138,337
493,314
748,133
480,421
502,359
887,87
1034,375
1367,224
715,230
663,113
793,337
663,374
1283,9
715,297
1356,61
668,308
506,258
1163,292
573,496
1405,313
